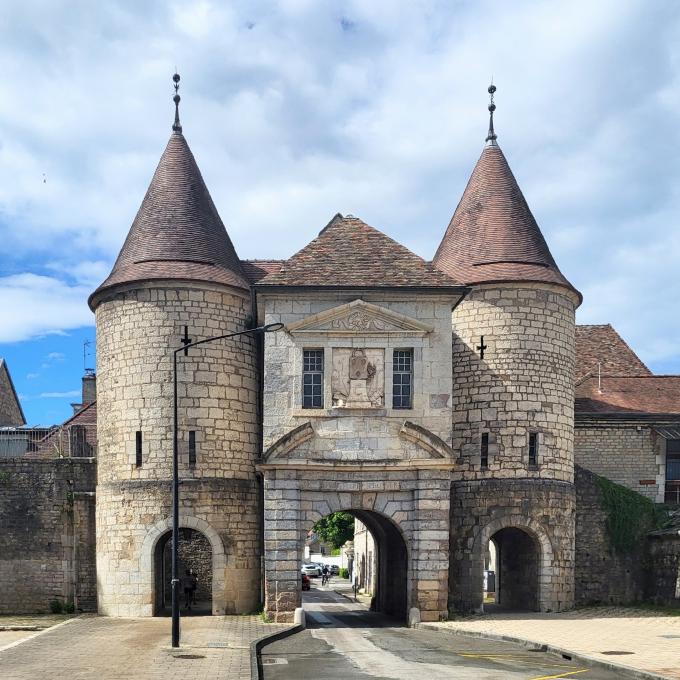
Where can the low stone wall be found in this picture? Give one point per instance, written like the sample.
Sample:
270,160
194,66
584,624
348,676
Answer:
603,575
663,582
47,534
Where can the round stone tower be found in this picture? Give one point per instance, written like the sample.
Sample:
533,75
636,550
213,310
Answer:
176,277
512,504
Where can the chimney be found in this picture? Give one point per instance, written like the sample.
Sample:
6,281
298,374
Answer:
89,387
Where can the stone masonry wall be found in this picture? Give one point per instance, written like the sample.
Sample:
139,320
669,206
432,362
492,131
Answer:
603,576
358,434
523,384
543,509
46,534
629,454
663,584
217,391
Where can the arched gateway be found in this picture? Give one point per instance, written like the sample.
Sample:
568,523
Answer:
405,505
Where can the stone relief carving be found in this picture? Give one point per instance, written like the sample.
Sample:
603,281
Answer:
358,378
360,321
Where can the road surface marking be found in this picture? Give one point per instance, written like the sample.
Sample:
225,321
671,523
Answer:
561,675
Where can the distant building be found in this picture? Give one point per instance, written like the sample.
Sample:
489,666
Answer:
11,413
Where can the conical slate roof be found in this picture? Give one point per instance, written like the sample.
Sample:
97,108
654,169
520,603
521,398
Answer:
493,236
177,233
348,253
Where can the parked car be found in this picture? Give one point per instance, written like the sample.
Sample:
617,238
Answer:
306,583
335,569
311,569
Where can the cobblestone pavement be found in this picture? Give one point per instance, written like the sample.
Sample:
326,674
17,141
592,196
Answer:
100,648
651,641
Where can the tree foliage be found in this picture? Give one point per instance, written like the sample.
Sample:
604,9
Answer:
335,529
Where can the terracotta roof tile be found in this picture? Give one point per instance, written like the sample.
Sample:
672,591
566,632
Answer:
602,344
177,233
349,253
629,394
492,235
255,270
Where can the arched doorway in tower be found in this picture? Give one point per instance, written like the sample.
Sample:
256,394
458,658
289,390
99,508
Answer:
377,562
511,576
195,557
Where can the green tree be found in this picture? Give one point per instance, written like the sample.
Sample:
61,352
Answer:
335,529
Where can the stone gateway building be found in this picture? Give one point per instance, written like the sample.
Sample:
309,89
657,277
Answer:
433,400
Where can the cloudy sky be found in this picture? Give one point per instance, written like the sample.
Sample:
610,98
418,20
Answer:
299,109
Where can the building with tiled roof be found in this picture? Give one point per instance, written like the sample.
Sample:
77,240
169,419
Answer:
600,350
11,413
445,404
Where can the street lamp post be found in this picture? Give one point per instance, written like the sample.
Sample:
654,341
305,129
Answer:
268,328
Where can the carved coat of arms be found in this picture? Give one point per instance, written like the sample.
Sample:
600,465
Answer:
358,378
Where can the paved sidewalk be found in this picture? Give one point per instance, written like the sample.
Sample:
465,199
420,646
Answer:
651,640
100,648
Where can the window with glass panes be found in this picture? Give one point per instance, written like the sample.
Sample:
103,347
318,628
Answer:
673,471
312,378
402,378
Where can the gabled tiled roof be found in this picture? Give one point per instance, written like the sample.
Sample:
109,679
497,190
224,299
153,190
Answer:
177,233
348,253
255,270
17,417
658,394
493,236
601,344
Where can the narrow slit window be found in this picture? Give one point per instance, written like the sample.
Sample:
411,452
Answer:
312,378
484,450
192,447
533,448
402,378
138,449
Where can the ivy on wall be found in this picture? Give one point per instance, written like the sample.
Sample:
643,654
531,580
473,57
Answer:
629,515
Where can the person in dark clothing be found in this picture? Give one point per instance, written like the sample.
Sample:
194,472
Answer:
186,583
194,587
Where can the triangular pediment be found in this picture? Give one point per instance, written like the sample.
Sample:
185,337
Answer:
359,318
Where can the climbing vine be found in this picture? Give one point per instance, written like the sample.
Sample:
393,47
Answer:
629,515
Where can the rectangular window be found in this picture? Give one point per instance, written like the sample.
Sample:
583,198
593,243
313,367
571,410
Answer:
192,447
673,472
312,378
484,450
533,449
138,449
402,378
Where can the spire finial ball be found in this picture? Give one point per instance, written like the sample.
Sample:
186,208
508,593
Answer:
175,78
492,89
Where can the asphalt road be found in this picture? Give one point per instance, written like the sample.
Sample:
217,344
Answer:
345,641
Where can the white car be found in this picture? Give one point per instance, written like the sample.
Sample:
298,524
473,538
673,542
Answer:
311,569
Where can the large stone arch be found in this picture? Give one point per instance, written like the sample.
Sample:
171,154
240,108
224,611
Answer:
219,558
412,502
514,520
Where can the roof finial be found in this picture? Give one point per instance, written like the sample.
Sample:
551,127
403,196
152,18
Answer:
491,136
176,126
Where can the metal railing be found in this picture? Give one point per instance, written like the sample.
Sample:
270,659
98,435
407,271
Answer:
71,441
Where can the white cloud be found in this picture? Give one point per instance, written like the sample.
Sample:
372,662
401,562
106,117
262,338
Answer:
60,395
299,109
39,305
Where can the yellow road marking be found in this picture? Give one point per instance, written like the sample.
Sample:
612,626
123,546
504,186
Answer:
561,675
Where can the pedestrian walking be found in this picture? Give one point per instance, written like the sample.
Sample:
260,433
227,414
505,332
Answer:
186,582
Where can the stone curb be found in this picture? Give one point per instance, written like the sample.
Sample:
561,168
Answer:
629,671
257,645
